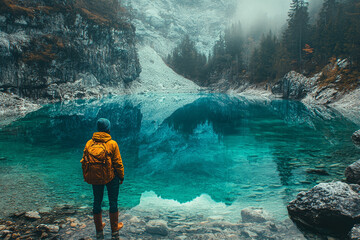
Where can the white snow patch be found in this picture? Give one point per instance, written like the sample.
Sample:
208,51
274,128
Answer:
157,77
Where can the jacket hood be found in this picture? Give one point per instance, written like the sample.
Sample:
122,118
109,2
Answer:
101,137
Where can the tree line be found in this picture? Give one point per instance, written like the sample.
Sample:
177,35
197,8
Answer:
301,46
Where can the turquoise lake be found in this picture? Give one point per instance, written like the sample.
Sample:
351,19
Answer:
232,150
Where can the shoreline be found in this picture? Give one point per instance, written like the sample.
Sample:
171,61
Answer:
70,222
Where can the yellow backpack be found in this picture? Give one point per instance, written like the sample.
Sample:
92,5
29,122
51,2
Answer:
96,164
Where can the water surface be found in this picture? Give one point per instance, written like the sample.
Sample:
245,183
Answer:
228,150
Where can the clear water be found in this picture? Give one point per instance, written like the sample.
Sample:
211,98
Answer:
240,152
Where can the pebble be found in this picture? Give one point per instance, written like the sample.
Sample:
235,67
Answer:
32,215
73,224
15,235
44,235
2,227
45,210
48,228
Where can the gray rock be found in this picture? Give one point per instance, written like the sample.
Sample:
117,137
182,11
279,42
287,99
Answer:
253,215
45,210
356,137
157,227
352,173
32,215
48,228
293,86
58,47
355,232
328,207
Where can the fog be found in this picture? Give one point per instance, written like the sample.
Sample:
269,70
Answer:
260,16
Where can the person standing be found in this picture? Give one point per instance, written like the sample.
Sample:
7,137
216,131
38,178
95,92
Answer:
102,166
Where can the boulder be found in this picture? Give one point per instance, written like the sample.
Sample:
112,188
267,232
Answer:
328,207
355,232
253,215
352,173
293,86
356,137
157,227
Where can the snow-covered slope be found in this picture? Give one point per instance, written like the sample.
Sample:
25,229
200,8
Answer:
163,23
157,77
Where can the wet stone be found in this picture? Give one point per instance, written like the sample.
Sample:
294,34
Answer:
321,172
352,173
32,215
356,137
355,232
157,227
256,215
48,228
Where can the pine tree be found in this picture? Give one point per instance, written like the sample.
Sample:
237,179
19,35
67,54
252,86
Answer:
263,60
297,33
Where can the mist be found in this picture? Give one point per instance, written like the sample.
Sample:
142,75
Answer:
260,16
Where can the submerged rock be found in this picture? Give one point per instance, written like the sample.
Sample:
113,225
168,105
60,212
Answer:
328,207
158,227
253,215
318,172
32,215
352,173
356,137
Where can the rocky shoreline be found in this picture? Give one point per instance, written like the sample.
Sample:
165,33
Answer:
69,222
331,208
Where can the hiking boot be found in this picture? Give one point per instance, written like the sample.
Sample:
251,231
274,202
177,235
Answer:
114,222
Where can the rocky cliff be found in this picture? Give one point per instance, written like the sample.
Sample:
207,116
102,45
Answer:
163,24
60,49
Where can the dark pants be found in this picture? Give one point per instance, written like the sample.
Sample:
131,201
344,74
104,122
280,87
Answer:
113,193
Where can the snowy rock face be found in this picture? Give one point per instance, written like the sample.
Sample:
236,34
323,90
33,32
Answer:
294,86
329,207
163,23
49,43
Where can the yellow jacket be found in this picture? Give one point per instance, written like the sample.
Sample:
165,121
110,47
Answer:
113,151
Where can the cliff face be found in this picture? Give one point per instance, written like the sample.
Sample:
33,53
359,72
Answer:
46,45
162,24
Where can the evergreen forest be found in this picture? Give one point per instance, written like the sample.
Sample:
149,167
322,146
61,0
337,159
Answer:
304,46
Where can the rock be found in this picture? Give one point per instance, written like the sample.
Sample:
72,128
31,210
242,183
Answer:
356,137
355,232
352,173
45,210
253,215
158,227
2,227
318,172
293,86
328,207
48,228
32,215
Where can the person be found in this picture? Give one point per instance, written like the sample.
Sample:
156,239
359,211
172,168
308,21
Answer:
111,179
